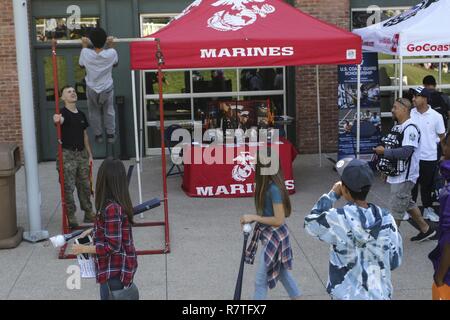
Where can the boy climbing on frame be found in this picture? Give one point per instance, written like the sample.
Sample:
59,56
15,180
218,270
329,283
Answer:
98,63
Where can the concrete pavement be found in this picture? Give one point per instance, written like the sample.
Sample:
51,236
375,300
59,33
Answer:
206,244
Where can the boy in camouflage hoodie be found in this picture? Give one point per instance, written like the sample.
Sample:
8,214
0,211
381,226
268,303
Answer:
365,242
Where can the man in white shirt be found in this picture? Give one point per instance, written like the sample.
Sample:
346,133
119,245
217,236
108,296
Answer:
99,62
431,125
402,151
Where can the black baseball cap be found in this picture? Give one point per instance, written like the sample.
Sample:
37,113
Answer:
421,91
355,174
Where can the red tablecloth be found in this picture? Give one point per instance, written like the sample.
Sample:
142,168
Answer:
203,179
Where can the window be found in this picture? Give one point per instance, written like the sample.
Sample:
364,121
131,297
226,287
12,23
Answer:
261,79
151,23
188,93
176,111
48,76
49,28
80,82
216,80
173,82
360,17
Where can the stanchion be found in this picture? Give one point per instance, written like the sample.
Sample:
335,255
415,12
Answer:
160,59
65,226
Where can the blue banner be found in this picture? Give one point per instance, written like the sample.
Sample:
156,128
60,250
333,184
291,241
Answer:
370,108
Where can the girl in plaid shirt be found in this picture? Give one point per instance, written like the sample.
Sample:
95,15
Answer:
272,207
113,249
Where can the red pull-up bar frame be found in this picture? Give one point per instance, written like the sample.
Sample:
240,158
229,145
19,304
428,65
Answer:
165,223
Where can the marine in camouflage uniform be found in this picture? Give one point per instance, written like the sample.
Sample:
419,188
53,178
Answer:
76,156
76,174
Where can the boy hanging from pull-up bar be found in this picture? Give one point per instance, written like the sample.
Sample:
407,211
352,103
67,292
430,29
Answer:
98,63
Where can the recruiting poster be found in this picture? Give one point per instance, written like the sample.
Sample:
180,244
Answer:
370,116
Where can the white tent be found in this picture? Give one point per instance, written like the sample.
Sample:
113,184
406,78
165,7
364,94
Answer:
423,30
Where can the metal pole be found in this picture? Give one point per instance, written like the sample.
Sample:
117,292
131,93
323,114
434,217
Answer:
141,104
440,73
27,121
65,227
160,60
238,81
191,84
136,136
78,41
141,96
400,93
358,112
395,77
318,115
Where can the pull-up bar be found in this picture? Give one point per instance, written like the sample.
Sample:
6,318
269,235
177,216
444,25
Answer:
78,41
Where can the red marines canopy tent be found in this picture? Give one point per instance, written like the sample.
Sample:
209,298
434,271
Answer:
243,33
248,33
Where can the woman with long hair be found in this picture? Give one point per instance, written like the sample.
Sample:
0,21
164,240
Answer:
272,207
113,248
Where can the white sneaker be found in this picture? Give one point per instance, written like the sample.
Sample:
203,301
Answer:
406,216
429,214
425,214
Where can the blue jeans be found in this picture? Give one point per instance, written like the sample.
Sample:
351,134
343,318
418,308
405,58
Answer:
114,284
286,279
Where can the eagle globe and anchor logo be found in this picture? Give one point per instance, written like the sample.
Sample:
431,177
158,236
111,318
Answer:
243,170
240,14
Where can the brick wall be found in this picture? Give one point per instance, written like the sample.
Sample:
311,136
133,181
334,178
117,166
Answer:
10,127
337,13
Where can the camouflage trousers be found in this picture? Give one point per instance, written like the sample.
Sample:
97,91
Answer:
76,174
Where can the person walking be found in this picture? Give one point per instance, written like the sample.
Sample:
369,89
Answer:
431,126
272,208
365,245
113,248
400,164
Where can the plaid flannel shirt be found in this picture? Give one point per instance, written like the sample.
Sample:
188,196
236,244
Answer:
113,240
278,251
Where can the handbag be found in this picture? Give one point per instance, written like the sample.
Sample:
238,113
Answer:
129,293
87,266
86,261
